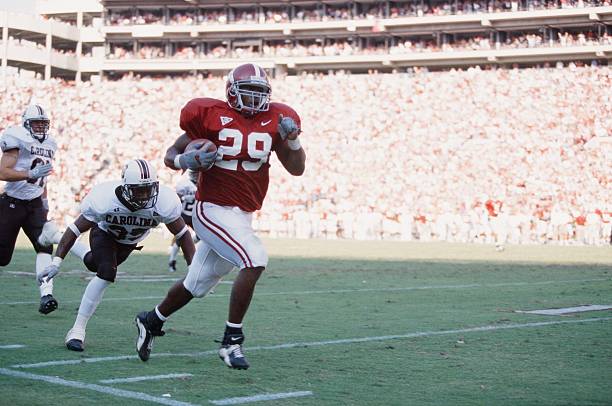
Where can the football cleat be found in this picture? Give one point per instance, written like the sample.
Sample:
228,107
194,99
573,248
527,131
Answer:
75,345
49,235
172,266
47,304
74,340
231,351
147,331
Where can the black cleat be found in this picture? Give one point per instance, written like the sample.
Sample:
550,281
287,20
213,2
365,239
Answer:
75,345
172,266
231,351
149,327
47,304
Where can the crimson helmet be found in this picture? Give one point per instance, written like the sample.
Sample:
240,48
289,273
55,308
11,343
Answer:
248,89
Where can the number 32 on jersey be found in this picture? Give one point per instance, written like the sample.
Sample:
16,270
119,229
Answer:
258,145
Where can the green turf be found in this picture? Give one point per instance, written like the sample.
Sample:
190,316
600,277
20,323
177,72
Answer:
317,291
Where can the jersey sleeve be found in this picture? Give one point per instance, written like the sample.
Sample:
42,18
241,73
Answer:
89,209
9,141
170,207
193,117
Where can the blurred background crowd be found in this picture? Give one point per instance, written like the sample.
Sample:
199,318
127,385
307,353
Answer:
489,156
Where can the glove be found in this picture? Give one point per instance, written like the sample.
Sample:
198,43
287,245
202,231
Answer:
48,274
287,128
40,171
197,159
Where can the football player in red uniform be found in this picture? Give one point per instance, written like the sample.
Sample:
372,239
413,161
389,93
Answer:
246,128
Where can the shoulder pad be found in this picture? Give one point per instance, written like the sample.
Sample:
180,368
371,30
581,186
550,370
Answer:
14,137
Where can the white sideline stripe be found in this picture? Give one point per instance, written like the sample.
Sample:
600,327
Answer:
317,292
258,398
567,310
318,343
144,378
91,386
11,346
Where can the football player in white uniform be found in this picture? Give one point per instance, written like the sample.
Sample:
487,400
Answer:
27,159
120,214
186,190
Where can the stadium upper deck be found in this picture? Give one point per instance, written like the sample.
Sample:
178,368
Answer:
78,39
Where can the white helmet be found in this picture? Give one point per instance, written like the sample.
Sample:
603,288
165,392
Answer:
36,121
140,185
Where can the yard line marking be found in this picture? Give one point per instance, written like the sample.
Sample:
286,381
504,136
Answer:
258,398
566,310
91,386
319,343
144,378
357,290
11,346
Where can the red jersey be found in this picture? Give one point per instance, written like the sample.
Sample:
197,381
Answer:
241,177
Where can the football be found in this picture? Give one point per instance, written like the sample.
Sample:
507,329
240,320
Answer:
201,144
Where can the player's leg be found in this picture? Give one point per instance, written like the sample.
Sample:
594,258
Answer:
205,272
102,259
229,233
33,226
11,217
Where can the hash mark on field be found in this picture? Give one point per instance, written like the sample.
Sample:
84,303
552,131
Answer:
91,386
11,346
258,398
144,378
359,290
320,343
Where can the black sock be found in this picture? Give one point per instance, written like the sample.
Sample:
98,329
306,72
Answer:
233,330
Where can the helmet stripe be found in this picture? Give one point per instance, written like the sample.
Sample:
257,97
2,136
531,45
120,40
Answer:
141,169
145,165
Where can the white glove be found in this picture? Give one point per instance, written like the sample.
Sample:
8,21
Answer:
40,171
48,274
287,128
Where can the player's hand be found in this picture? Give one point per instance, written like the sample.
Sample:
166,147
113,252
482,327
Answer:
48,274
197,159
40,171
287,128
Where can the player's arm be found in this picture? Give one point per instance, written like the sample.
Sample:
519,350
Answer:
183,238
196,159
74,230
9,174
177,148
290,152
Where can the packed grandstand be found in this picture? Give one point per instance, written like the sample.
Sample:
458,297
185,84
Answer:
490,152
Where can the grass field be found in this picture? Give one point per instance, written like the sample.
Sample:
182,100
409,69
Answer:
341,323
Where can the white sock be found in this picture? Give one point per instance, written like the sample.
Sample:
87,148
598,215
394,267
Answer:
79,249
161,316
233,325
91,298
173,252
42,261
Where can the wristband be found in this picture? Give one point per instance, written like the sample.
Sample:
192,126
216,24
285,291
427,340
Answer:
294,145
74,229
177,161
57,261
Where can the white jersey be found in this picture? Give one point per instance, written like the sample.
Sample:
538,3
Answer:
186,191
103,206
31,153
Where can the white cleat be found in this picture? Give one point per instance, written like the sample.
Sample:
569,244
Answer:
50,234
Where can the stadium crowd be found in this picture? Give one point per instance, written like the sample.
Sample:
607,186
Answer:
491,156
318,13
341,47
